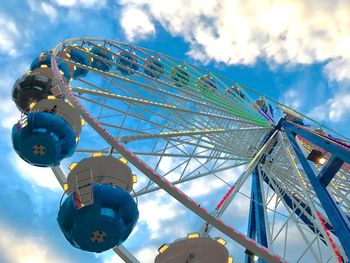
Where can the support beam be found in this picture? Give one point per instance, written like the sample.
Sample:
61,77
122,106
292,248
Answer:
256,223
125,255
328,145
61,178
259,210
329,170
335,215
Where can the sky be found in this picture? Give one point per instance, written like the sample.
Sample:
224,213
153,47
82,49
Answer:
296,52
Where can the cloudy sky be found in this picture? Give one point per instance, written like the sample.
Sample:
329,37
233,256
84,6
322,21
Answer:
294,51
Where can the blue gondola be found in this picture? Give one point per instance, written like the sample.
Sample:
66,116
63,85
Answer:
180,75
153,67
45,60
31,87
206,84
127,63
44,140
101,226
37,83
265,108
99,63
236,92
79,56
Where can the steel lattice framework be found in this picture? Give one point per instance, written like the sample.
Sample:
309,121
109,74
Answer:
172,134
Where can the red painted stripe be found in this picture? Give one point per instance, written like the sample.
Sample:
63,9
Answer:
225,197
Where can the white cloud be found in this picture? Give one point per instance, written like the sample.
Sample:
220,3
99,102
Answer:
208,184
20,248
66,3
82,3
9,112
334,109
93,3
49,10
155,210
136,23
169,163
201,186
114,259
320,112
339,107
8,35
39,176
338,69
292,98
145,255
240,32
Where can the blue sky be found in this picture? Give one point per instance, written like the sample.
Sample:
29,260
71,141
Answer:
293,51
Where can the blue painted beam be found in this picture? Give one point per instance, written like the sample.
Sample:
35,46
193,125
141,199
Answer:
259,211
335,215
256,223
329,170
251,227
342,153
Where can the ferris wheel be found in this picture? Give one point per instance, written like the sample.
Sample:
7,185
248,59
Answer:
117,123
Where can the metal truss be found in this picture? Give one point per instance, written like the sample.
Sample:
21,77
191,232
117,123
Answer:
172,135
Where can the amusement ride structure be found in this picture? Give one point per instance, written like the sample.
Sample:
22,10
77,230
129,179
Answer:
117,110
